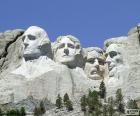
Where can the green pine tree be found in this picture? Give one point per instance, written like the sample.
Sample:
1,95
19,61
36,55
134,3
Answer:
22,111
66,98
59,102
42,108
1,113
102,90
105,110
83,103
7,113
119,101
36,112
89,93
93,102
17,112
119,96
110,106
90,102
13,112
69,105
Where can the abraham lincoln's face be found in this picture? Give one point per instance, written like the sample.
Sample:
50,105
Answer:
114,58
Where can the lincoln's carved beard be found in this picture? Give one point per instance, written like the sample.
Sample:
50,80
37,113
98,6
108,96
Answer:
114,59
94,66
65,52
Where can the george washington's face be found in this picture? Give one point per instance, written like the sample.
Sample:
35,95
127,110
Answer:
31,42
94,66
114,58
65,52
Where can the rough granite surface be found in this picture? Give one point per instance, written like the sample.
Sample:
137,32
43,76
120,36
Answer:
43,78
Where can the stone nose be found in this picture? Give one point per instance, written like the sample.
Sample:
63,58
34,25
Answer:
25,44
66,51
108,59
96,64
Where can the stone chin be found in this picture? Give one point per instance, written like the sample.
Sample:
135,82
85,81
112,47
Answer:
65,59
31,55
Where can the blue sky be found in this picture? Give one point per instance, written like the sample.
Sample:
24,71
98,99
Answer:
92,21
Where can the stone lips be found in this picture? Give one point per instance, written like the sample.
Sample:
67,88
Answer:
41,77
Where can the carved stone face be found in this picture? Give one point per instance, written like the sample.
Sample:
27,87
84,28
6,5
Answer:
32,39
65,52
114,58
94,66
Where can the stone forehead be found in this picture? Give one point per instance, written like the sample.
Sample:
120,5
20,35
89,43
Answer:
56,44
39,33
90,49
72,38
66,40
115,47
35,30
117,40
95,52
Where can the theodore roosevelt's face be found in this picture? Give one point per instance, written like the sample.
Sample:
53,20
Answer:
114,58
94,66
66,51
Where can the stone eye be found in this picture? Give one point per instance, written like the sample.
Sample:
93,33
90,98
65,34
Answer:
112,54
31,37
71,46
91,61
101,62
77,46
61,46
23,38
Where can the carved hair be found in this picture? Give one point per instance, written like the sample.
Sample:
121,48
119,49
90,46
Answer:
118,40
90,49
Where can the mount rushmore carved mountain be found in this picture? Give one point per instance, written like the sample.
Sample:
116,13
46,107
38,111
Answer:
31,66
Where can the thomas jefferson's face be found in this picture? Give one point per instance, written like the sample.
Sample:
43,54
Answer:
66,51
31,41
94,66
114,58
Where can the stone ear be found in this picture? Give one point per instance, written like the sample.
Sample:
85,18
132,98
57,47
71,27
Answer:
23,38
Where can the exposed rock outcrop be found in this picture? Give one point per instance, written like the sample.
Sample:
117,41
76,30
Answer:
10,48
33,67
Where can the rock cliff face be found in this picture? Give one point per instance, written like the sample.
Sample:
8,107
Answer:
126,73
10,48
33,67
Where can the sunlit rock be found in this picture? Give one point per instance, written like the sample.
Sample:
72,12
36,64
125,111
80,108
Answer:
68,51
